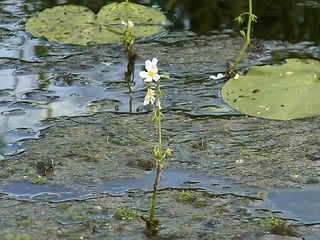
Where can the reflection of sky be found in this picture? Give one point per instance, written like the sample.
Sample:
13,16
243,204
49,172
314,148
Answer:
21,112
20,115
303,205
20,48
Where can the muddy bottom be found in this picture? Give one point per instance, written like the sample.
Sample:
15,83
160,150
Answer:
235,163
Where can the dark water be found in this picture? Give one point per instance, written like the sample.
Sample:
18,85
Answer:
289,20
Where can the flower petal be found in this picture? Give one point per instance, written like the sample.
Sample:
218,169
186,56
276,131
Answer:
156,77
154,62
148,79
148,64
146,102
218,76
143,74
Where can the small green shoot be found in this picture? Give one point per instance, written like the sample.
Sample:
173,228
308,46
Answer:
186,197
270,221
63,206
4,175
11,170
77,217
38,180
126,214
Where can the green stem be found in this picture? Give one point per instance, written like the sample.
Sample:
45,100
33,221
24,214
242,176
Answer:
158,157
247,38
159,126
127,14
155,185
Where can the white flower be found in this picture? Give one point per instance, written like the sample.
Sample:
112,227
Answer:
152,71
131,24
217,77
153,62
149,98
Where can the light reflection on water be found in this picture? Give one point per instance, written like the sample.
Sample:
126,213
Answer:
26,101
170,179
301,205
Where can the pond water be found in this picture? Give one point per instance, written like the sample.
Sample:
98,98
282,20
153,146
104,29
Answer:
42,82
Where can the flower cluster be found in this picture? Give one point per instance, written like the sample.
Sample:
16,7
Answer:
149,76
152,71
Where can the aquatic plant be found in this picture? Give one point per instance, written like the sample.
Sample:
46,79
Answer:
127,36
38,180
152,78
73,24
126,214
231,72
282,92
270,221
186,197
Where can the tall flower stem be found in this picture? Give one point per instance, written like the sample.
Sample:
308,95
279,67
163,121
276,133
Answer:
158,112
158,155
251,17
151,77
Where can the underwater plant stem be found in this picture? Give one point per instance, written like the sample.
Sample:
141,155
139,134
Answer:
247,37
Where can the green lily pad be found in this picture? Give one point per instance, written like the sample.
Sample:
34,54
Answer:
73,24
281,92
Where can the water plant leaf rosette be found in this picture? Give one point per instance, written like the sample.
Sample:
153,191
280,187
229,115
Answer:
282,92
73,24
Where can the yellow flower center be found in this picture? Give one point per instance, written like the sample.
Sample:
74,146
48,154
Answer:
150,74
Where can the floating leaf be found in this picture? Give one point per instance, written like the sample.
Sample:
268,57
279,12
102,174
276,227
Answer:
72,24
282,92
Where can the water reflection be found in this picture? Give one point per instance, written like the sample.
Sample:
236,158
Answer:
277,19
293,20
